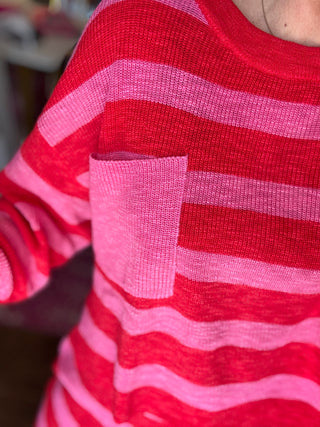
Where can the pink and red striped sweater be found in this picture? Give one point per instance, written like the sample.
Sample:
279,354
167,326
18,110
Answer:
184,144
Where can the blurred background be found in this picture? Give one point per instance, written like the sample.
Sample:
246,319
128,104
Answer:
36,39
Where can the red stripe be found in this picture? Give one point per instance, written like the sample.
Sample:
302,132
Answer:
123,405
20,280
98,378
80,414
251,235
217,144
231,364
175,412
220,301
268,413
15,194
161,24
51,421
66,163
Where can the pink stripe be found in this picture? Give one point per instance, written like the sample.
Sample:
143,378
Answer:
61,411
153,417
69,377
139,80
83,179
36,280
96,339
136,206
190,7
6,278
209,188
61,242
204,336
209,267
75,110
71,209
216,398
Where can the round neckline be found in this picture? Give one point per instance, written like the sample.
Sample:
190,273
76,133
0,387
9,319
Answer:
261,50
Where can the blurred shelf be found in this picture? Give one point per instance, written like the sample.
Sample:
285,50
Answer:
46,55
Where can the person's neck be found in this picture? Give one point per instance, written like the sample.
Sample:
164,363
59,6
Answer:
293,20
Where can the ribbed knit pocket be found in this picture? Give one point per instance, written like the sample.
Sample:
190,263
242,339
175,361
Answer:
136,206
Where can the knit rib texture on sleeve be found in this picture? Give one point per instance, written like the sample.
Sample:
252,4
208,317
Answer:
183,144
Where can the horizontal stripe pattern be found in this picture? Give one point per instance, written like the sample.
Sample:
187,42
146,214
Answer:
80,107
209,267
71,209
151,399
237,336
249,234
206,336
206,398
59,241
163,84
221,301
295,358
28,261
61,411
68,375
209,188
216,189
79,412
258,155
170,86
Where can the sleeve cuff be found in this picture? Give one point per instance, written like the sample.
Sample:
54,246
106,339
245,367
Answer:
6,278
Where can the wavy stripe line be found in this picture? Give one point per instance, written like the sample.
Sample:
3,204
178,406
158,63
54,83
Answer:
205,336
72,209
70,379
61,411
214,398
37,279
65,244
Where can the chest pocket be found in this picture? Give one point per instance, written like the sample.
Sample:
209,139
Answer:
136,206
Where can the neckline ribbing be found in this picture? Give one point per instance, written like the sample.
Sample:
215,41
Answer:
261,50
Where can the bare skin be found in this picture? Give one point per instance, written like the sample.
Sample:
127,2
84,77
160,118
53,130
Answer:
294,20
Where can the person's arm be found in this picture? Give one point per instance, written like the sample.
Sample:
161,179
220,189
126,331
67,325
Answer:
44,207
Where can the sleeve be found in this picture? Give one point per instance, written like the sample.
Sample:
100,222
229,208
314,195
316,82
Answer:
44,203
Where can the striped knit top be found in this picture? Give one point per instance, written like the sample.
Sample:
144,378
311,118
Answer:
183,143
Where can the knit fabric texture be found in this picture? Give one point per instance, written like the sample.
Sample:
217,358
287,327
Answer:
183,144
